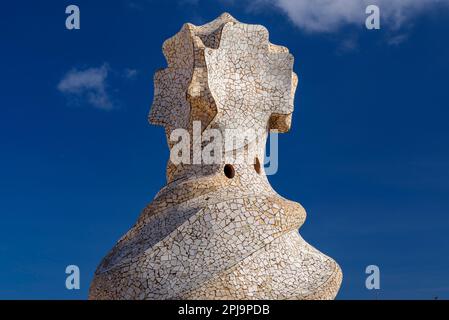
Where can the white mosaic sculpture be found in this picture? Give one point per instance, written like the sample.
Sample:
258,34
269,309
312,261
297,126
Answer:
219,231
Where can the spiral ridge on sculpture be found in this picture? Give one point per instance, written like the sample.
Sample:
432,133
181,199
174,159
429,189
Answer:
209,234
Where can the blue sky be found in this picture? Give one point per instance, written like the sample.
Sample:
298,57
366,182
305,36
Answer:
367,155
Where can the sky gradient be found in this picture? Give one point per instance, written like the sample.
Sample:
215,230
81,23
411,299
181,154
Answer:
367,155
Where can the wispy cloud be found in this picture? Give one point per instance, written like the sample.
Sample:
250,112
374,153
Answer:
189,2
130,73
331,15
134,5
348,45
397,39
89,85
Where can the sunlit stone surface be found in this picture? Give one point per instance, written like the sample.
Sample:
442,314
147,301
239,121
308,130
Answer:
208,235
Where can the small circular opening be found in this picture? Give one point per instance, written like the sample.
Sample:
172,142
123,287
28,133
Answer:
257,165
229,171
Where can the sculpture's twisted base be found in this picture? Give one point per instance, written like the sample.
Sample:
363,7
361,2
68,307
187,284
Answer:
218,230
287,268
197,241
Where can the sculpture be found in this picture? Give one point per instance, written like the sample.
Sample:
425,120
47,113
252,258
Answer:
218,230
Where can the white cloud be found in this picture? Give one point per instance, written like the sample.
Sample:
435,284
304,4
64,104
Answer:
397,39
130,73
331,15
348,45
189,2
89,84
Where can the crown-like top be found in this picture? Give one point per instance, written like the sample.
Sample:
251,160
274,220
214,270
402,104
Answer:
225,74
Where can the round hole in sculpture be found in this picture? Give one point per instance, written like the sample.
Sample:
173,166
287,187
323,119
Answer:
229,171
257,165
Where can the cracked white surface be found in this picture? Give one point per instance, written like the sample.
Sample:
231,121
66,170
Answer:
206,236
